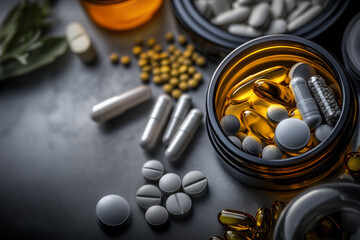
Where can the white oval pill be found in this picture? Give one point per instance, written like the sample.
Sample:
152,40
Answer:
235,15
302,7
277,26
147,196
179,205
292,135
157,216
113,211
278,8
259,15
304,18
194,184
244,30
170,183
152,170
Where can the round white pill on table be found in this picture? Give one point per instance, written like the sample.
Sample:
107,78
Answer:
194,184
147,196
152,170
302,70
323,132
230,124
179,205
271,152
276,113
170,183
157,216
252,145
292,135
236,141
113,211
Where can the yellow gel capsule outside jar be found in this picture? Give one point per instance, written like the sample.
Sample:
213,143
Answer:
232,235
258,125
263,219
274,93
352,163
242,91
236,220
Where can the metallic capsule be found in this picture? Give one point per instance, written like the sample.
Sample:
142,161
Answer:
258,125
157,121
184,135
117,105
178,115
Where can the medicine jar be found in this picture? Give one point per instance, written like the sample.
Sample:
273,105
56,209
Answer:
307,209
120,14
214,41
296,171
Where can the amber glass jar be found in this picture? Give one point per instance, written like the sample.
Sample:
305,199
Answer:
121,14
292,172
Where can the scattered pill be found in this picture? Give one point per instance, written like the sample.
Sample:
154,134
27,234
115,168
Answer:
144,77
178,115
236,141
305,102
215,238
137,50
236,220
157,121
176,93
276,113
170,183
119,104
114,58
151,42
157,216
303,70
264,219
167,88
276,208
271,152
79,42
182,40
125,60
230,124
352,163
304,18
147,196
113,211
252,145
179,205
184,135
169,36
292,135
194,184
323,132
152,170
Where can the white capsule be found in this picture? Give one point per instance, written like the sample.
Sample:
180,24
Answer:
305,103
184,135
244,30
278,8
277,26
119,104
304,18
260,15
300,9
219,6
182,108
235,15
79,42
157,121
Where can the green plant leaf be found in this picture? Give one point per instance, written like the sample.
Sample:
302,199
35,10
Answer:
49,49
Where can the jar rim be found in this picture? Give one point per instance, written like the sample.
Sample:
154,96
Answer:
349,41
307,156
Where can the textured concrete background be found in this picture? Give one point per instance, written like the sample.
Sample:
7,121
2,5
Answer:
56,163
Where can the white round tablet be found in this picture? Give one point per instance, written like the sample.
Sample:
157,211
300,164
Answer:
230,124
170,183
147,196
113,211
323,132
236,141
292,135
252,145
179,205
157,216
152,170
271,152
195,183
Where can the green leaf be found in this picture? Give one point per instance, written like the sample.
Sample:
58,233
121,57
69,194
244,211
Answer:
50,49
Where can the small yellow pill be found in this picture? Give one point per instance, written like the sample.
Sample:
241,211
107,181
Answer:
193,83
144,77
167,87
191,70
157,48
165,77
171,48
164,55
184,77
176,93
183,86
137,50
156,71
146,68
182,39
114,58
165,69
197,76
151,42
169,36
157,79
174,81
142,62
200,61
174,73
143,55
125,60
183,69
190,47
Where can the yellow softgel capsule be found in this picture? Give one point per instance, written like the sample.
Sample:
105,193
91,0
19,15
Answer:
233,235
352,163
259,105
263,219
236,220
276,209
258,125
242,91
274,92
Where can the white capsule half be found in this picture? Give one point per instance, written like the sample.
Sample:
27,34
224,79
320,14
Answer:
119,104
178,115
184,135
305,102
157,121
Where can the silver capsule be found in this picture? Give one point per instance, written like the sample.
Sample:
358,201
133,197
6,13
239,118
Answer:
157,121
184,135
306,104
178,115
119,104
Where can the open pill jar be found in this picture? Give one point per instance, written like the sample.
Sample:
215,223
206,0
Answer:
332,208
215,41
120,14
295,171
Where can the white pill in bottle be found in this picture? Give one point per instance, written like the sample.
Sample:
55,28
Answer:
157,121
80,42
119,104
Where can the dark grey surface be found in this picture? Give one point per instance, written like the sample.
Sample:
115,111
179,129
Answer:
56,163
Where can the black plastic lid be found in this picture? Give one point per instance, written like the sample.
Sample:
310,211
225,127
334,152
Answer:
351,47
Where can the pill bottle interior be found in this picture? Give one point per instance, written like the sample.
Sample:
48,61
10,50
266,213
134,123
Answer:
120,14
